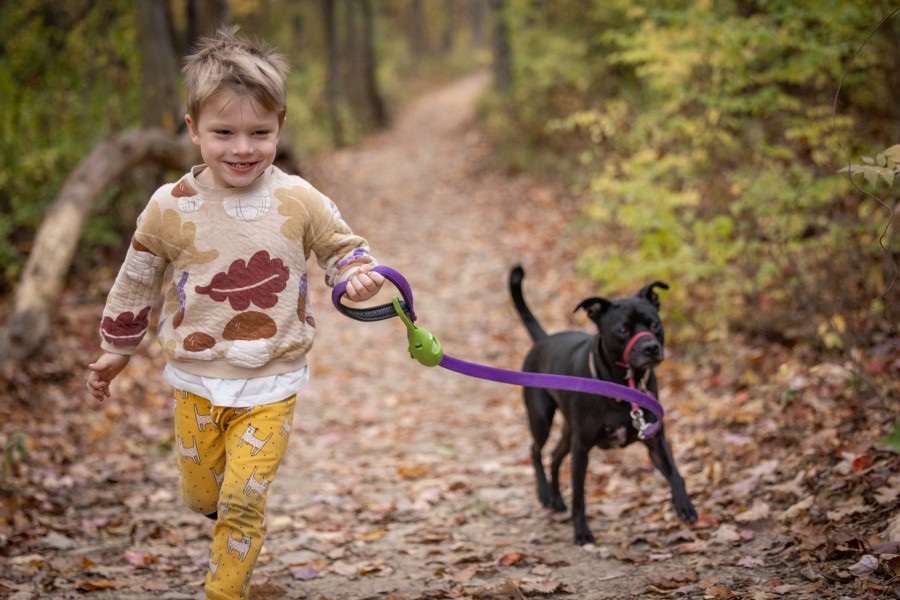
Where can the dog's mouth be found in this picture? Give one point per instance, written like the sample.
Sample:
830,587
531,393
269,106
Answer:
643,365
646,357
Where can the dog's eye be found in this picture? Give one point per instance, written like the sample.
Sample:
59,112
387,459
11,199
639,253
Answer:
656,326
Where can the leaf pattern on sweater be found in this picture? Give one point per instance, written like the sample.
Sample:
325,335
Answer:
127,329
176,239
257,281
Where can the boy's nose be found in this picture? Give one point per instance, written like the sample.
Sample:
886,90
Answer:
242,145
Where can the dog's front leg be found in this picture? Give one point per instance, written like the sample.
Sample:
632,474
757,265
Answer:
583,534
661,455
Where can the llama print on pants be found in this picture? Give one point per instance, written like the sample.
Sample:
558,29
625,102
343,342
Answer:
256,486
249,437
214,567
189,451
203,420
241,546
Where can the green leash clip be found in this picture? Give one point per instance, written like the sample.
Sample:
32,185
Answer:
423,346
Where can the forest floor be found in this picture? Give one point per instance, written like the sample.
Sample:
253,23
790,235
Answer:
404,482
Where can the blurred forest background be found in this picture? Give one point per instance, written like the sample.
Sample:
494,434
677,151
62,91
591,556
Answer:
744,149
747,152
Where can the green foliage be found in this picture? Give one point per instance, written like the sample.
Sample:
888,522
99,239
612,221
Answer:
706,137
67,79
892,439
882,168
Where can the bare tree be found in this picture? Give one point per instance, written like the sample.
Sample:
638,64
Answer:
502,53
479,11
160,105
333,84
373,92
204,17
417,30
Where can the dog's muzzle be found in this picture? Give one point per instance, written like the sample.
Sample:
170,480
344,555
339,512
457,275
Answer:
655,358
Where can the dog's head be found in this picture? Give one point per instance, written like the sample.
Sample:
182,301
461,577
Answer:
631,332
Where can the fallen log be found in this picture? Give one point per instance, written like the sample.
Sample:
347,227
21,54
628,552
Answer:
44,276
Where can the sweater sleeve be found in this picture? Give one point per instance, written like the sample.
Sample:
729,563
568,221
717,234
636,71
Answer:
126,315
338,250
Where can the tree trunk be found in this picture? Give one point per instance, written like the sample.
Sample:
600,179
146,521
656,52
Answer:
502,52
204,17
479,17
159,69
370,63
45,272
417,30
448,29
332,87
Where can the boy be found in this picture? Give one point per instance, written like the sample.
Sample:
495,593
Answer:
236,324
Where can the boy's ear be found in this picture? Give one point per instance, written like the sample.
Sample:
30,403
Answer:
192,129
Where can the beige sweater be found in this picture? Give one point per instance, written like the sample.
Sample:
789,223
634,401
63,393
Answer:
238,306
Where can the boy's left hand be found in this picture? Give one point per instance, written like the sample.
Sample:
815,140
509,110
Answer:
363,285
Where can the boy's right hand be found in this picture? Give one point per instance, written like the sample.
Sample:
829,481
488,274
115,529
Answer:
103,372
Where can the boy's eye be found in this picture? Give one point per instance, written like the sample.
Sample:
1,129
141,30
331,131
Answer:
222,132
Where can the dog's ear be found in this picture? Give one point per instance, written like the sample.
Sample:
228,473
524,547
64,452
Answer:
594,307
648,294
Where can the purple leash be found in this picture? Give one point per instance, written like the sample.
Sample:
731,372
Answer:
425,348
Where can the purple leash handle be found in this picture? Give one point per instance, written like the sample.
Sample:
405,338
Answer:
383,311
537,380
561,382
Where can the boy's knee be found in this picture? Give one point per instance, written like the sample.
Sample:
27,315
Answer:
202,503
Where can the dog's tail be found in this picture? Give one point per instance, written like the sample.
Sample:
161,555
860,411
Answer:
515,289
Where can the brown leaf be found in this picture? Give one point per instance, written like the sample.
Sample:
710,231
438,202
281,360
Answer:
511,559
508,591
93,586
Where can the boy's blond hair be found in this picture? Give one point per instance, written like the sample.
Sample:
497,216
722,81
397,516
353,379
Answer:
226,62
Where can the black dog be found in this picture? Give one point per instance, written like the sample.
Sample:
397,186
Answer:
627,348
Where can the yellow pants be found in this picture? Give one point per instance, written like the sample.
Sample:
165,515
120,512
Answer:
227,458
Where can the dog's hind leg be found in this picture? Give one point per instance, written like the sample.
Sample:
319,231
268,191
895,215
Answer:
541,409
556,501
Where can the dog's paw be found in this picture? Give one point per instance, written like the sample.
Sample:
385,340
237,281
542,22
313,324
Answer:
556,504
584,540
583,535
686,511
552,501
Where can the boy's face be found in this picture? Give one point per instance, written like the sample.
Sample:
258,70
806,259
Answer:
237,139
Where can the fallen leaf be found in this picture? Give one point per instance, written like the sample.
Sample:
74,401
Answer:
139,559
413,471
508,590
750,562
510,559
93,586
854,506
304,573
867,564
375,534
759,511
796,510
